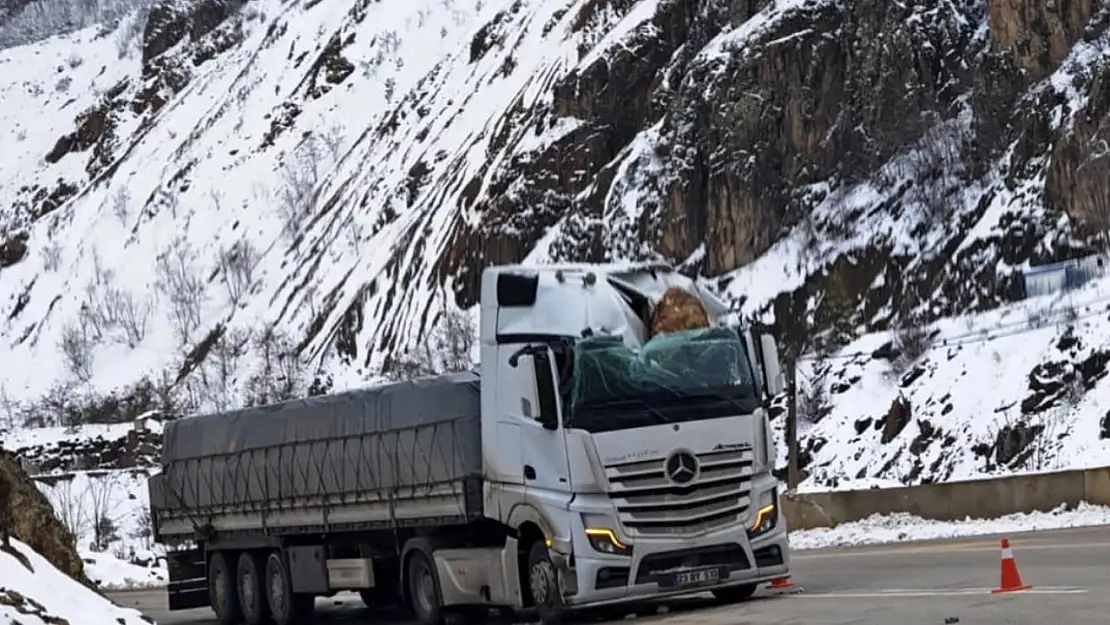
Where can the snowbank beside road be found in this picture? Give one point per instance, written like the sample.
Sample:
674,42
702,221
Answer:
33,592
111,573
903,527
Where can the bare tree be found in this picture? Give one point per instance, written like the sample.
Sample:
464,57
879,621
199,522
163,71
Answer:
931,164
448,347
9,409
355,232
418,363
143,531
52,255
300,175
1037,318
121,205
911,340
34,21
237,264
101,499
219,371
112,312
1069,316
180,281
810,239
77,350
813,399
454,340
69,508
332,138
130,33
133,314
280,375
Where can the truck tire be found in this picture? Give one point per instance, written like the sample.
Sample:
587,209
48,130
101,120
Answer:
252,589
427,602
286,606
733,594
382,596
543,580
223,592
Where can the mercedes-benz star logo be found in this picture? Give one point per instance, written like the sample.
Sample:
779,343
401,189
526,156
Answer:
681,467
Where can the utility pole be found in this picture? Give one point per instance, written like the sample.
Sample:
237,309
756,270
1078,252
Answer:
791,423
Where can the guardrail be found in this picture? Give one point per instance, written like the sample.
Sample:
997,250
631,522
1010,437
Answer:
952,501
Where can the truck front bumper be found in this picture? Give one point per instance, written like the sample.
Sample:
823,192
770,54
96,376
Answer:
649,572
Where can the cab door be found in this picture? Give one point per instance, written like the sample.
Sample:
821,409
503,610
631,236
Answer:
543,450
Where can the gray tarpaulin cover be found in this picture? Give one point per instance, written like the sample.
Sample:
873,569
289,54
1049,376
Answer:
388,438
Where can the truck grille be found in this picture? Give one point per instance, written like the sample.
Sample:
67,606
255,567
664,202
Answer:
648,503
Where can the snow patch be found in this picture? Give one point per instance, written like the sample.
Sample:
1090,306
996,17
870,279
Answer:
897,528
45,594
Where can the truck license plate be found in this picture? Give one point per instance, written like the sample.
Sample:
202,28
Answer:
687,578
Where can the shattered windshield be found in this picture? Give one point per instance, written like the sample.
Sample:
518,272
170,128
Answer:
673,370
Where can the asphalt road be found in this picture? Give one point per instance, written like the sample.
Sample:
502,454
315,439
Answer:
910,583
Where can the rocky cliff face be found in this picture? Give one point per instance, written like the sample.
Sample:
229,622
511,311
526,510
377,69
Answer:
31,519
336,171
780,115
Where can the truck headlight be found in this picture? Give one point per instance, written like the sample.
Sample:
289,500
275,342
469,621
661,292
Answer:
766,513
606,541
603,539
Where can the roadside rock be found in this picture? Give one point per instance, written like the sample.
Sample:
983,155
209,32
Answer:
33,520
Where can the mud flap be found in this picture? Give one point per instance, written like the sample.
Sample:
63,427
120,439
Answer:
188,583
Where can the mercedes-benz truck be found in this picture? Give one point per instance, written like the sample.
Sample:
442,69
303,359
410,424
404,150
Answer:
584,462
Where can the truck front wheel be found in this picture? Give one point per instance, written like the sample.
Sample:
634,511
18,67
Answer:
223,591
543,580
424,589
286,606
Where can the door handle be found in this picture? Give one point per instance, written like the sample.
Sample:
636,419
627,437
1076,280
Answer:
529,472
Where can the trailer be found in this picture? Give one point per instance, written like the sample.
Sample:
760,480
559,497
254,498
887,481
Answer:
575,467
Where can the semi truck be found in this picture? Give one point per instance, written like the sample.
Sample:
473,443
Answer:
582,463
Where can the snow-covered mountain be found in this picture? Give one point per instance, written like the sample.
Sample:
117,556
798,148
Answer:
204,202
1020,389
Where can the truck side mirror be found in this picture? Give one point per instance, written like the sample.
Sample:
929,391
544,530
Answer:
548,415
772,369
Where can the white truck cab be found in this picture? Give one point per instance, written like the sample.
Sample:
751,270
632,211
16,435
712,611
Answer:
643,463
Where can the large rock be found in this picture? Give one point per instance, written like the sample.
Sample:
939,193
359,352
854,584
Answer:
32,519
677,311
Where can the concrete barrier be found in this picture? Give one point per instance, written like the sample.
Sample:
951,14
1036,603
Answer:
952,501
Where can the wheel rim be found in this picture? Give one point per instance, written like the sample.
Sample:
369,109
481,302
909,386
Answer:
246,589
540,579
425,590
277,592
218,588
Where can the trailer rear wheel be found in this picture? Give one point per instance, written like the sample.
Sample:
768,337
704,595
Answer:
252,589
286,606
223,591
424,589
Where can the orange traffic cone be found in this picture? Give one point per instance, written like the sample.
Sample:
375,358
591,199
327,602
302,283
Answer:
1011,579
